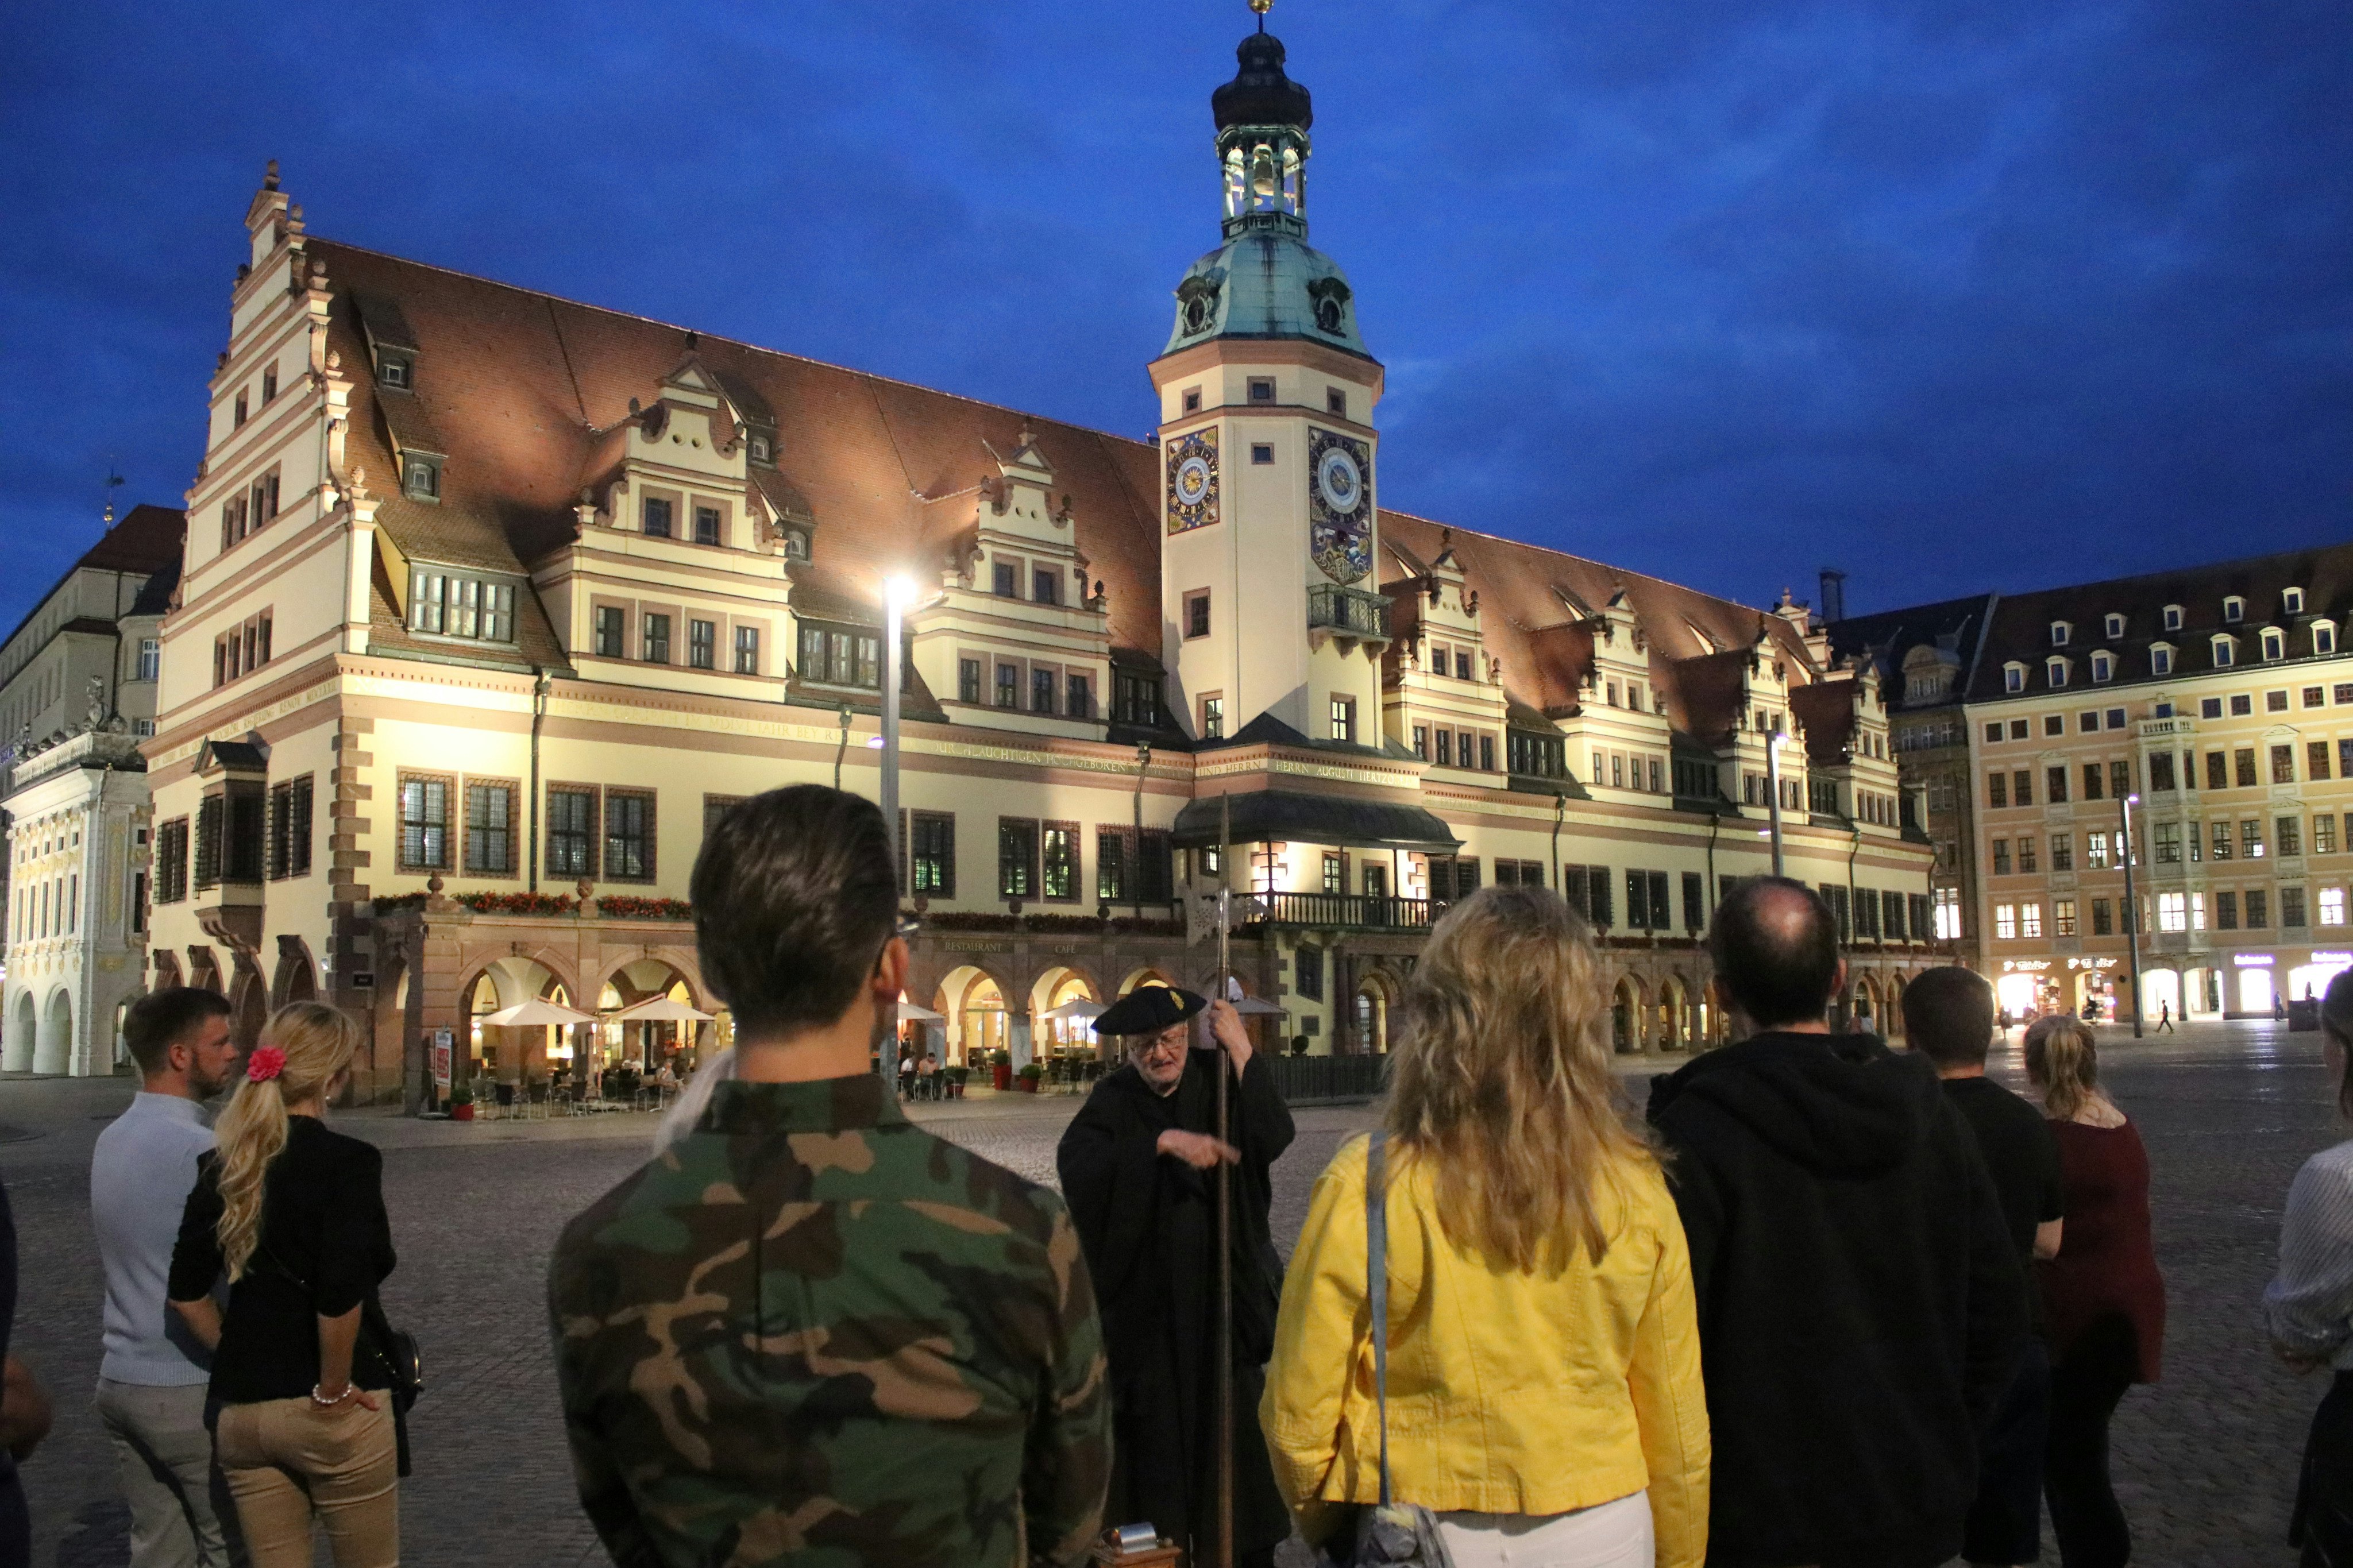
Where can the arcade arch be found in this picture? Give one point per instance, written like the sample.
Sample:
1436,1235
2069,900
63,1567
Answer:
53,1050
972,1000
1626,1017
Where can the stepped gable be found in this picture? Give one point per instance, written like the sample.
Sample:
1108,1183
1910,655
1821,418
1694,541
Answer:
1529,617
526,389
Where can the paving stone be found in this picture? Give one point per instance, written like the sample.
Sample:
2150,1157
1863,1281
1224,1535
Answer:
2205,1460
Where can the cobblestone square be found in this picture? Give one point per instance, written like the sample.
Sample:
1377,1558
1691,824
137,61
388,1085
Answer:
2205,1459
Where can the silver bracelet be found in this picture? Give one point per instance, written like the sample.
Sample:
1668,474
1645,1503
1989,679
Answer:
350,1388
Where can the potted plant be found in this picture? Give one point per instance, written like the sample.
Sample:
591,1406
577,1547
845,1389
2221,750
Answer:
955,1079
461,1102
1029,1075
1000,1069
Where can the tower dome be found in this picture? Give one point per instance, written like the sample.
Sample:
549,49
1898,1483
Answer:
1265,281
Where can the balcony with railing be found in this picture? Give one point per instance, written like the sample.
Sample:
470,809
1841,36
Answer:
1352,912
1348,611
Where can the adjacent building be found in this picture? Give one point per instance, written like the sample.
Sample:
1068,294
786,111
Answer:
492,601
77,686
2194,727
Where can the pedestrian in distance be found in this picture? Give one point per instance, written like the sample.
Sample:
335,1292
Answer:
2164,1019
151,1385
1948,1019
1861,1307
2308,1307
292,1212
1138,1162
2103,1297
807,1331
1543,1353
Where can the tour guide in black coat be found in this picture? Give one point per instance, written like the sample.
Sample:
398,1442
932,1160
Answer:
1138,1171
1861,1306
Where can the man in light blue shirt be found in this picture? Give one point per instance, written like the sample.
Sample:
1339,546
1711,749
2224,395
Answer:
151,1385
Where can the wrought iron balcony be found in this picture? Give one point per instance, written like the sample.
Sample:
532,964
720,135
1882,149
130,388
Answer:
1355,912
1348,611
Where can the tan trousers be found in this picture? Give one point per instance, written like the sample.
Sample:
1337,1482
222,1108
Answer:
287,1462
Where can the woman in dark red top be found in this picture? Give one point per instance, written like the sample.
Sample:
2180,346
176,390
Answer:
2103,1297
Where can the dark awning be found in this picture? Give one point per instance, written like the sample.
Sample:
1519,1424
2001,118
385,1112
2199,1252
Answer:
1280,816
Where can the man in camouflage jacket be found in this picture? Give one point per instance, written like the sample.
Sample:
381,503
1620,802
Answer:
807,1332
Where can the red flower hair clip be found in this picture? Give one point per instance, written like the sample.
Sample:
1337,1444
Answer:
267,1062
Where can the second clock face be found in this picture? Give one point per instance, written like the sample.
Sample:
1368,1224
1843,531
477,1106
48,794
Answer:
1340,506
1193,480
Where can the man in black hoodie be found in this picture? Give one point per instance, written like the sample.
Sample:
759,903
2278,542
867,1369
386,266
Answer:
1860,1305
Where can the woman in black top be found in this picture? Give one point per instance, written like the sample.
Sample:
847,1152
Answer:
293,1214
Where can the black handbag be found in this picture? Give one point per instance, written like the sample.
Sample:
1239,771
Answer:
395,1352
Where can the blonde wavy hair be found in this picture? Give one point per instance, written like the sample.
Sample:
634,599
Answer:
2061,1058
1502,1080
318,1042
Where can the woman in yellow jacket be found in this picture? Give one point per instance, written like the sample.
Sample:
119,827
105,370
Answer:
1544,1369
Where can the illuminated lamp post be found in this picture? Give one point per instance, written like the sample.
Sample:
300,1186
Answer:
2132,909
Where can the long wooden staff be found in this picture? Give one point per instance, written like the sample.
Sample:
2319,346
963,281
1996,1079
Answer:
1225,1338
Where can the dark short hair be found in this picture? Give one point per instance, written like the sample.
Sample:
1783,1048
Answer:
156,1022
1948,1016
795,895
1776,949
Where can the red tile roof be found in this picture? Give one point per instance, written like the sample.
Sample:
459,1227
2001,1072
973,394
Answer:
524,390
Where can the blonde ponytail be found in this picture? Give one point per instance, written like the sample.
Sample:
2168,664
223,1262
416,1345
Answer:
2060,1056
303,1048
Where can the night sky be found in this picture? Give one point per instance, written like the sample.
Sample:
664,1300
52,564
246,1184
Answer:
1955,294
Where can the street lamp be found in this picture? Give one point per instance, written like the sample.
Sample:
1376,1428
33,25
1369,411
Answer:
1135,871
897,592
2132,909
1773,787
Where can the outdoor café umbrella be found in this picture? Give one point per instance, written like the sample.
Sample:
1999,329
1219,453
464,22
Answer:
913,1012
533,1013
656,1009
1250,1006
1077,1010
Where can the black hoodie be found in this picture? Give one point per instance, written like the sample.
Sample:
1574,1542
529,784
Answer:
1861,1306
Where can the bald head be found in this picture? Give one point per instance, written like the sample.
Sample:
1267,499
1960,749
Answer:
1776,948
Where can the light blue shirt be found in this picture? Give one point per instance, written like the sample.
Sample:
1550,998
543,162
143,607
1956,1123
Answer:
139,1176
2308,1307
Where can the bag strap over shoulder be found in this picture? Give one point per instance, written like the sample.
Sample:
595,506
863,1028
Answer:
1377,1287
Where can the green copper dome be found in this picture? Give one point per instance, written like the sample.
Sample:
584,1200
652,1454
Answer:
1267,282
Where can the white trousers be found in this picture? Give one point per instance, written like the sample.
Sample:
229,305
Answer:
1610,1535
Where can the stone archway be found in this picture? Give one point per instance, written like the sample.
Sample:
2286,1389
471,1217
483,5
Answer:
1626,1016
1863,1015
643,1044
249,1004
1149,974
53,1046
1370,1009
24,1027
1674,1015
973,1002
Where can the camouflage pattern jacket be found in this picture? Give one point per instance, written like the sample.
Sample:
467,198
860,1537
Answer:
813,1333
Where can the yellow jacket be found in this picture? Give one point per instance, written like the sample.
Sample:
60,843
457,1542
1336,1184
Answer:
1509,1392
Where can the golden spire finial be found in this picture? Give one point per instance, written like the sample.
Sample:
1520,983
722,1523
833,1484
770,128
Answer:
1261,7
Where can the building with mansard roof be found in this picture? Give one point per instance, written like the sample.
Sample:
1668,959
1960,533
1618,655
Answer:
77,689
491,599
2188,734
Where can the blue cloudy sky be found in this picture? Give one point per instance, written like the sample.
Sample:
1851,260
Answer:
1951,293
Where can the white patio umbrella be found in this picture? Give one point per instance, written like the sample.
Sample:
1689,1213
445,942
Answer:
533,1013
658,1009
1077,1010
913,1012
1248,1006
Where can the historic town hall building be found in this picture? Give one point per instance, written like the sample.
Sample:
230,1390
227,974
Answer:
491,600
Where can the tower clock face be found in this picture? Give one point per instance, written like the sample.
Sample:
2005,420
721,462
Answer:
1193,480
1340,506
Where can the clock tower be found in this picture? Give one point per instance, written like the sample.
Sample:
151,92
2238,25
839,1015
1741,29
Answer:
1269,535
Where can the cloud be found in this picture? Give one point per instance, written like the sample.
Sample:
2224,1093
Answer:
1953,294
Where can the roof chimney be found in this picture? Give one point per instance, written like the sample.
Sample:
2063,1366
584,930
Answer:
1833,594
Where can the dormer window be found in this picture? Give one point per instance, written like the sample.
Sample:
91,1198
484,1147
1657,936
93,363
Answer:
2226,651
2234,610
392,370
2274,644
2114,626
2060,632
796,546
2013,678
2055,671
2103,667
762,450
2292,601
420,476
2161,659
2324,637
2173,617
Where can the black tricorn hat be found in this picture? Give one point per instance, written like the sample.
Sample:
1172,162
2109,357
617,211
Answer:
1147,1010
